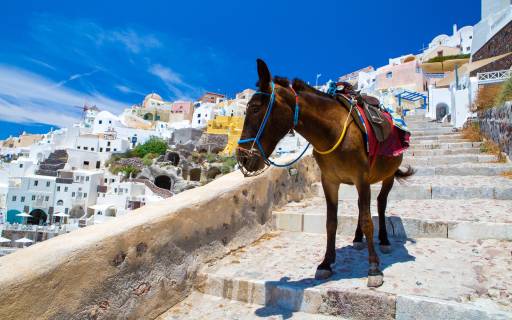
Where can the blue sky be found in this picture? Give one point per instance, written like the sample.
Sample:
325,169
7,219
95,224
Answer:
56,55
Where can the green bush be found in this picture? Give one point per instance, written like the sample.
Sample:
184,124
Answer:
445,58
228,164
148,159
505,93
153,145
126,170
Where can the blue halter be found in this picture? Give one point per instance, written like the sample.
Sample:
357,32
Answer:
256,139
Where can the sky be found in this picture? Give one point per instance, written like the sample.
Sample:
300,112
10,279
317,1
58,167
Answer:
57,55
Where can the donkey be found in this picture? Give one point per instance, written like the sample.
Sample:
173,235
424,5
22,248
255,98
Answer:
274,111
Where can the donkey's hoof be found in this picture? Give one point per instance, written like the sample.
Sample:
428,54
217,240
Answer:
375,281
359,245
322,274
385,248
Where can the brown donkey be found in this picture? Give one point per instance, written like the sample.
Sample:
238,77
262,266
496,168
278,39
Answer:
321,121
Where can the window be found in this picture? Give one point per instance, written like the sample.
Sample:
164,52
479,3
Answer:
112,180
86,163
22,199
469,48
418,69
100,122
108,143
109,121
46,198
73,194
60,202
47,183
66,189
115,149
389,75
98,164
101,149
58,188
86,148
66,210
199,115
78,147
85,194
106,180
36,183
33,197
92,149
87,178
107,150
13,198
21,165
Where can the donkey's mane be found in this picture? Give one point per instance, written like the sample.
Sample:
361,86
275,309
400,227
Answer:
300,85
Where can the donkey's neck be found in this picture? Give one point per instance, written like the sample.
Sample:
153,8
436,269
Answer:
321,120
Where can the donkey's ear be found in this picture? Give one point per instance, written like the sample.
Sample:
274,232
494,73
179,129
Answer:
263,74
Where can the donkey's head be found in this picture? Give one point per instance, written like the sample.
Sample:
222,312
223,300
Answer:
269,116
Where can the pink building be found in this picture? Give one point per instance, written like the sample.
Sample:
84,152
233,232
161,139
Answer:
183,107
407,75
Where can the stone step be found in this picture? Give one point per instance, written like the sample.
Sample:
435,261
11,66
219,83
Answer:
463,169
446,138
440,187
419,142
200,306
440,152
434,131
449,159
448,145
423,279
426,125
453,219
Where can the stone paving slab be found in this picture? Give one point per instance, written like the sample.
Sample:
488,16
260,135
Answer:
453,219
431,131
433,141
206,307
446,138
279,271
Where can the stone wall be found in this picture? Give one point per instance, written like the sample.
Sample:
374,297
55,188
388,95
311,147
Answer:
499,44
496,124
141,264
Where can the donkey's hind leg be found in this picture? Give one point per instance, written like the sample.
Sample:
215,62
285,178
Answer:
375,276
382,200
358,238
331,197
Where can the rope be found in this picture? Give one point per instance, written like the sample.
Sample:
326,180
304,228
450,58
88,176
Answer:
345,126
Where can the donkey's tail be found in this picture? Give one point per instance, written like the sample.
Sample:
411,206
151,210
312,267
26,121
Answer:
401,176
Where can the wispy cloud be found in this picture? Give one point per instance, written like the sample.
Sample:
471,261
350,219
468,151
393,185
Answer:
173,81
125,89
41,63
75,76
132,40
27,97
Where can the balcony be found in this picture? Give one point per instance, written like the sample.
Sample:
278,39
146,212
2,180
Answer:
494,76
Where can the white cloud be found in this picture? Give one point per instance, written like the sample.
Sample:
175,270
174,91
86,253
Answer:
132,40
75,76
27,97
166,74
174,82
125,89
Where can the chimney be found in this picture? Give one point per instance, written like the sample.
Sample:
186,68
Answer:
454,29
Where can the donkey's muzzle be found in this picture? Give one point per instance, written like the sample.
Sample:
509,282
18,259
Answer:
251,162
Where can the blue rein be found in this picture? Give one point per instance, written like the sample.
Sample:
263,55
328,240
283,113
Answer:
256,139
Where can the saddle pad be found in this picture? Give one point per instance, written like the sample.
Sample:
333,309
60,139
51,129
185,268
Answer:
396,143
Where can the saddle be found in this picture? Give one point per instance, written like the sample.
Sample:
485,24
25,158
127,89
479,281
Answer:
371,106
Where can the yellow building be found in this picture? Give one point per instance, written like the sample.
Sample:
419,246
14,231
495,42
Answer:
230,126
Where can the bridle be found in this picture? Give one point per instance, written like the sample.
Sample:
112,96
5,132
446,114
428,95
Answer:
256,140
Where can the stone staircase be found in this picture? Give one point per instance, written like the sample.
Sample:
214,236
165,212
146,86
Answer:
451,229
55,161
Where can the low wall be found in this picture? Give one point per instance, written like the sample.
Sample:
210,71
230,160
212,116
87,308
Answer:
141,264
496,124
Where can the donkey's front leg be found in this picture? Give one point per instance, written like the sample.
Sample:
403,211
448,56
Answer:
331,197
375,276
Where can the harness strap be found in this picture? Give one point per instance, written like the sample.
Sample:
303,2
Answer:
342,136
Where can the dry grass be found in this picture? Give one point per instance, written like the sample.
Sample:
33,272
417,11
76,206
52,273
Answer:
507,174
486,97
472,132
491,147
506,93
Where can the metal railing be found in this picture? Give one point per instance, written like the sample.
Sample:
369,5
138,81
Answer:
494,76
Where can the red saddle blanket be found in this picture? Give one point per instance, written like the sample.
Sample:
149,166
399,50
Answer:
393,146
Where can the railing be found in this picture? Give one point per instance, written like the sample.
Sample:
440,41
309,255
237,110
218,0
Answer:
494,76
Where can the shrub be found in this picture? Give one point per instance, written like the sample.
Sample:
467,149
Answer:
148,159
505,93
472,132
228,164
490,147
153,145
486,97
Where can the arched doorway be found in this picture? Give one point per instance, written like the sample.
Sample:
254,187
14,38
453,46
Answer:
195,174
441,111
148,116
110,212
38,217
163,182
174,158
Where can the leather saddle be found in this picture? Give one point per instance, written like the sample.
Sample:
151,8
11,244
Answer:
373,112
